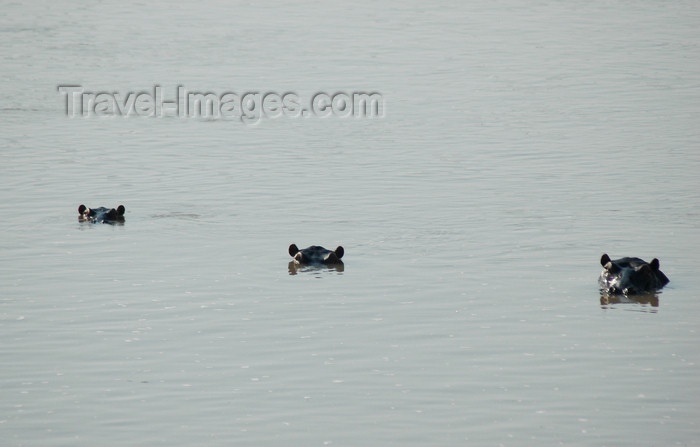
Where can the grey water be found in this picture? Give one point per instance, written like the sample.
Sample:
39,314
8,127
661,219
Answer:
519,141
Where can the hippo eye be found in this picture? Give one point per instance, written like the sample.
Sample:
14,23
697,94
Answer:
645,269
612,268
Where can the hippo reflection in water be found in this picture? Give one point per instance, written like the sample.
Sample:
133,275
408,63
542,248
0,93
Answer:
101,214
630,276
315,255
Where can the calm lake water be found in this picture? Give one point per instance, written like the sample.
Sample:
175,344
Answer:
519,141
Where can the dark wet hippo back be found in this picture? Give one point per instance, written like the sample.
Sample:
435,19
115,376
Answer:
101,214
316,254
630,276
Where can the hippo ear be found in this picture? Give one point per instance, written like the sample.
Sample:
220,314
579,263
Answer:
604,259
654,264
339,252
81,209
121,210
293,249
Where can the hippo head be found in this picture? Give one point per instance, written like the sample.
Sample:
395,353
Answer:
101,214
316,254
630,276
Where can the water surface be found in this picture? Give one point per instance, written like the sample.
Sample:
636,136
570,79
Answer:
520,142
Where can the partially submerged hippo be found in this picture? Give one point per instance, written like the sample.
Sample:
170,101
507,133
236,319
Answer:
316,255
630,276
101,214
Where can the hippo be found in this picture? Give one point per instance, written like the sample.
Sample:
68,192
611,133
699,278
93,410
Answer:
630,276
101,214
316,255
